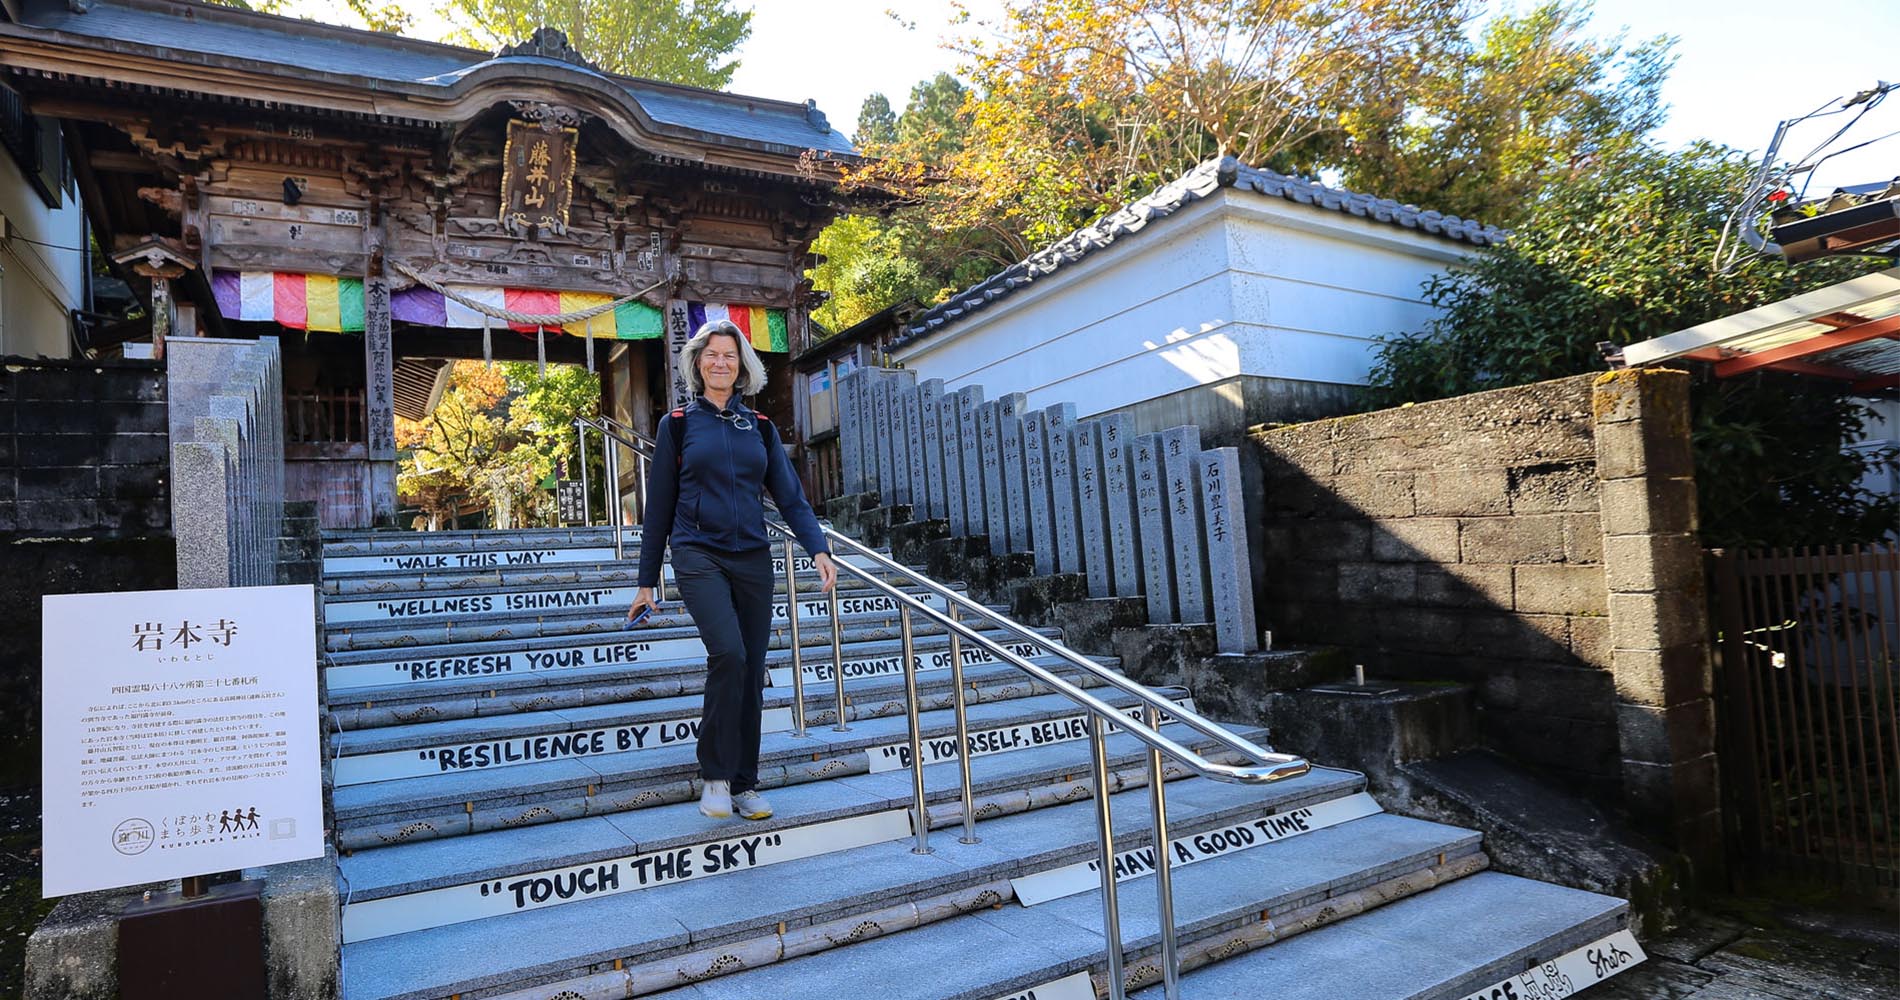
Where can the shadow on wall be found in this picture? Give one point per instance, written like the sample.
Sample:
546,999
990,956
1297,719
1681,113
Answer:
1537,543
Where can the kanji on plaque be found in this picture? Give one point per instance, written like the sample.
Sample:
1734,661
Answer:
537,176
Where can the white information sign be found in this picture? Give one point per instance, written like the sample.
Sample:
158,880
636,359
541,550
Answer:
179,735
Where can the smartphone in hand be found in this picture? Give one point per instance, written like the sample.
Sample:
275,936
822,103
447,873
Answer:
637,620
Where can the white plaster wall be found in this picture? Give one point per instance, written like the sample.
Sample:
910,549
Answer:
39,285
1236,284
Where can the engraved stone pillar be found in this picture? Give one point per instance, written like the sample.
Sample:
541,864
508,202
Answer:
1042,528
1091,511
975,508
990,453
1062,488
1009,420
950,462
929,394
1180,451
1229,581
882,386
1151,509
913,405
850,431
1118,495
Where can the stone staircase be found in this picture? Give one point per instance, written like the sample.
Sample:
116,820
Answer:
514,790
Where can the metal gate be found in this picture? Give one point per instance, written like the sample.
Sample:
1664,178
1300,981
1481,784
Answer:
1809,732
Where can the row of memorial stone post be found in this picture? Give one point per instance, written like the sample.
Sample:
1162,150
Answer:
225,410
1149,515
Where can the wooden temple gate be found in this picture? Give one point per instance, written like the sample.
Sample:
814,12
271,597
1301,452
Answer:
382,203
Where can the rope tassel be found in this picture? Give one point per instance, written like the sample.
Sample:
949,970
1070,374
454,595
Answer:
541,351
589,341
488,344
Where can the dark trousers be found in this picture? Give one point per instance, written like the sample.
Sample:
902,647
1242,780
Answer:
729,596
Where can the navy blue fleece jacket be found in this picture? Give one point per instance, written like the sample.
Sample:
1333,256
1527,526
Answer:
714,497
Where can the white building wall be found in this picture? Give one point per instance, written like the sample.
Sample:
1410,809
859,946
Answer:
1237,284
39,285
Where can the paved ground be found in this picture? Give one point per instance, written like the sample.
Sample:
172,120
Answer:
1743,950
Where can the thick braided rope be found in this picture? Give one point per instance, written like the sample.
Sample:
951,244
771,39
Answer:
525,319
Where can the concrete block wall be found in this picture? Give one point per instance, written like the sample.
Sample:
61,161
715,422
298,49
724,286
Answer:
83,449
1537,543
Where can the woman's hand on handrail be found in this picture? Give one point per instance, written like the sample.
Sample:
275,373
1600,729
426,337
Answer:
827,571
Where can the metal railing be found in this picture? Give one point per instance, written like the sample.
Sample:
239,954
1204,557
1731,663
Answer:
1268,766
1809,643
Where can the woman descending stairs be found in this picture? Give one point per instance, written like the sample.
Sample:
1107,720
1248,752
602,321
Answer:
514,791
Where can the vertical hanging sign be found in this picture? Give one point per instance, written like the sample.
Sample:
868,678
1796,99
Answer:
678,331
380,369
537,176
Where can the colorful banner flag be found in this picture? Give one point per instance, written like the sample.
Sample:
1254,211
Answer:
326,303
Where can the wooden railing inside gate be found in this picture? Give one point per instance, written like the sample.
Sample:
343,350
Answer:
1810,732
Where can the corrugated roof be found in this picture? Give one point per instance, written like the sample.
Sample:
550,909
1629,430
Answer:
199,33
1195,185
1849,330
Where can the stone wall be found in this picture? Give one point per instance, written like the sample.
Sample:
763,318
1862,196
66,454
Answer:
1536,542
83,449
83,508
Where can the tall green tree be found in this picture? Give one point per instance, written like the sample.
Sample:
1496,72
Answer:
1622,249
877,123
677,41
1484,122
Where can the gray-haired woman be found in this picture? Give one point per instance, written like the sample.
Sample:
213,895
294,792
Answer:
714,459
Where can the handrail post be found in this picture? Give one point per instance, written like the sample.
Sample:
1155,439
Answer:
798,665
1164,874
580,454
916,733
837,658
1104,825
613,495
963,729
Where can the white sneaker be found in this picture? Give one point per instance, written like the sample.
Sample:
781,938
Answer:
716,800
751,805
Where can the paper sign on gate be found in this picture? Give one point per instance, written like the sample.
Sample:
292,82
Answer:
179,734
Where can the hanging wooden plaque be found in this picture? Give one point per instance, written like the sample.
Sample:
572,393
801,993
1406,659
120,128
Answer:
537,176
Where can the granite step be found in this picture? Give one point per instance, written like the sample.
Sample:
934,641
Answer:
382,542
569,567
1490,935
466,801
647,723
608,616
521,946
361,542
501,605
377,675
403,586
1373,909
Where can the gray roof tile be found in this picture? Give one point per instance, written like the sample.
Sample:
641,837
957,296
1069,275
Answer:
200,33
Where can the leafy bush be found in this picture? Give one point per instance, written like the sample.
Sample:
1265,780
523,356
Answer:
1622,250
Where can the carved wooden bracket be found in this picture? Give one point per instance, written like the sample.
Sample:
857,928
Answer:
549,116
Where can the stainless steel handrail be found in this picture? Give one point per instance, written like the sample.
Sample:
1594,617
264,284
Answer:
1272,767
1280,765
